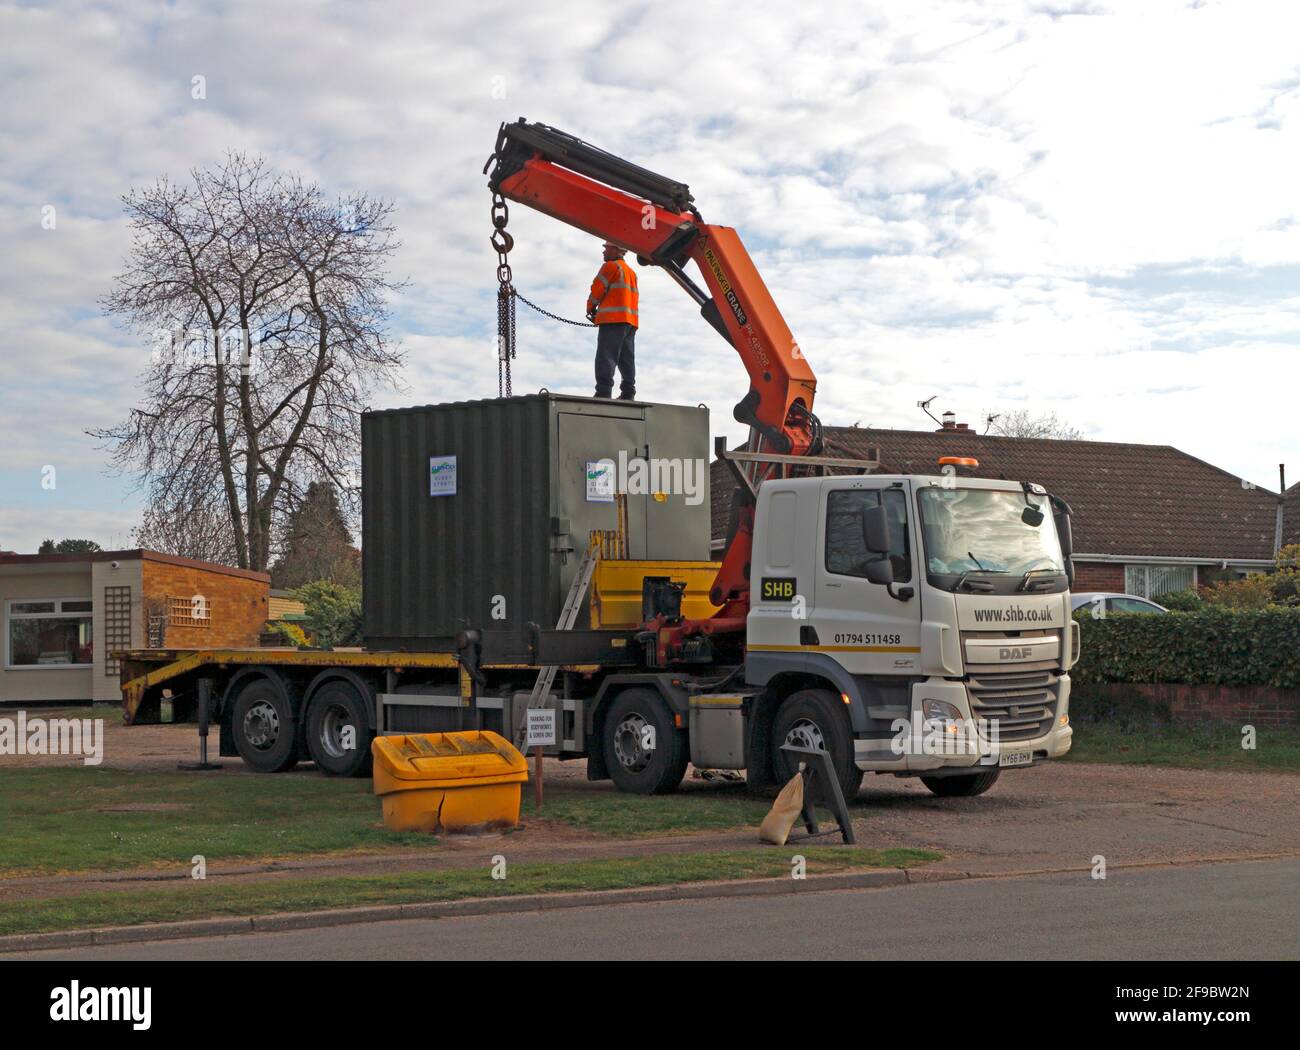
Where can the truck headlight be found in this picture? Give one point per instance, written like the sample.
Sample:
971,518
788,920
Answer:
943,715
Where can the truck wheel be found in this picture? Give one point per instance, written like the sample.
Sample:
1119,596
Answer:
815,718
644,752
264,727
963,786
338,731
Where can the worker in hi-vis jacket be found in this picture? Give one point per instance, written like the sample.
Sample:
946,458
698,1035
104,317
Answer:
612,305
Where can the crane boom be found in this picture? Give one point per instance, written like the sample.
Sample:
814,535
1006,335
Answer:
656,218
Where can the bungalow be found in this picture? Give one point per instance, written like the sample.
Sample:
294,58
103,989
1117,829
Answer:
65,614
1148,519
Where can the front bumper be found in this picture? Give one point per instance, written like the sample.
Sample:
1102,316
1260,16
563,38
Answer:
916,747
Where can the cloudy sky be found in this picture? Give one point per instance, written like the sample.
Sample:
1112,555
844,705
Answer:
1083,208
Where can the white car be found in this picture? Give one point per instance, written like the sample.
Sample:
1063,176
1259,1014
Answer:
1115,603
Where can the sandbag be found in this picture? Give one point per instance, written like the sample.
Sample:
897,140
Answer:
787,808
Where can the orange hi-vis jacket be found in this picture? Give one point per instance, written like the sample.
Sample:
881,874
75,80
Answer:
614,295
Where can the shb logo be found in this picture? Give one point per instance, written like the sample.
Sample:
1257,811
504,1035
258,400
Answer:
102,1004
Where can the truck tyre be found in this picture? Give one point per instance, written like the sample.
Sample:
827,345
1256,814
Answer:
337,718
962,786
644,752
264,727
815,718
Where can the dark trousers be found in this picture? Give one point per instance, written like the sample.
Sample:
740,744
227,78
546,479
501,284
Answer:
615,348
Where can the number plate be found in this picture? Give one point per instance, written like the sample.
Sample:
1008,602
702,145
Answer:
1016,758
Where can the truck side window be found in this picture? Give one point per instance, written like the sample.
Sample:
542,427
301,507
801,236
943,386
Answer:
846,553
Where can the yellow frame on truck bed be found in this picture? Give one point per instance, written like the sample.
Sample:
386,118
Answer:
173,663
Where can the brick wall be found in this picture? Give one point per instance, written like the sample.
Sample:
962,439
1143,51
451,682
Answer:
1258,705
1098,576
237,605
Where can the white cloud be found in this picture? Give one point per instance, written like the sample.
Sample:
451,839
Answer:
1083,209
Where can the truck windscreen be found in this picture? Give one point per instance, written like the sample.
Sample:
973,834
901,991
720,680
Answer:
984,533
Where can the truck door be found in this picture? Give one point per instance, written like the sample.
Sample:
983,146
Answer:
868,630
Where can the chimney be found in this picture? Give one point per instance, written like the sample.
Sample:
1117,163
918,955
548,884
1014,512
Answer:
950,423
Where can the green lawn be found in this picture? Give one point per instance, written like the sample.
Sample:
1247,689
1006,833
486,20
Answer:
65,819
204,900
610,812
1187,746
70,819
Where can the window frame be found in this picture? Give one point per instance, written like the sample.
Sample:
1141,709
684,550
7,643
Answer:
879,491
1146,566
58,614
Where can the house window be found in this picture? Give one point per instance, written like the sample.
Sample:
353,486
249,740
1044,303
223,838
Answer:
1151,581
191,611
48,632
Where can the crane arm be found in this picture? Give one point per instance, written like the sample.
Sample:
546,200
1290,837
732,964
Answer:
656,218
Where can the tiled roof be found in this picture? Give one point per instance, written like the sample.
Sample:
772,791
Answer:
1146,500
1291,523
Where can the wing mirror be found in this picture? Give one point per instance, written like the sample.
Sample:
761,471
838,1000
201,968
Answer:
879,540
881,571
875,530
1065,533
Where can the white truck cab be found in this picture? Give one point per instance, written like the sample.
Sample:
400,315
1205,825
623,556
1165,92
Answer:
937,606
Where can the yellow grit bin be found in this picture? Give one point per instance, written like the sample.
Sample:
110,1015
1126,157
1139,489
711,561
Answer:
466,781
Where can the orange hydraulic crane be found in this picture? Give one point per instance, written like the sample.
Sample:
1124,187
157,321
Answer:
656,218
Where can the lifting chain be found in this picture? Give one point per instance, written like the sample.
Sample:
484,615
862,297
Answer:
503,242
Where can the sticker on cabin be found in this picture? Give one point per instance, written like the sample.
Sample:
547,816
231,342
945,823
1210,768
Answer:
442,475
778,588
600,481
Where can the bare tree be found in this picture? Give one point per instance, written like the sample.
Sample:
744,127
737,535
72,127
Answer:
202,531
1024,424
266,302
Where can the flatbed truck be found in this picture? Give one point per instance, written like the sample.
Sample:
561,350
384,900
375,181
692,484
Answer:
911,625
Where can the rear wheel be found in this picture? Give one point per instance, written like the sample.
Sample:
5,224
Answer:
815,718
964,785
264,727
338,731
644,752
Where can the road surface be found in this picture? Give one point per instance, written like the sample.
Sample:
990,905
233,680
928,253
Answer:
1219,911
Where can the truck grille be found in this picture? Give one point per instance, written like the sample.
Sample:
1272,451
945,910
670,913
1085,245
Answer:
1022,702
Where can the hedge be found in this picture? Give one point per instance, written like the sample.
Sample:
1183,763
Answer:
1208,647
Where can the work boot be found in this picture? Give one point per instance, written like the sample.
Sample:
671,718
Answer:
606,396
625,396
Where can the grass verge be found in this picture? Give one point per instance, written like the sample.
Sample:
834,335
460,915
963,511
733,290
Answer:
75,819
211,900
67,819
1187,746
610,812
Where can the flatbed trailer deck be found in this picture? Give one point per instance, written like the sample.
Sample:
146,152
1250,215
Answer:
146,673
276,706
